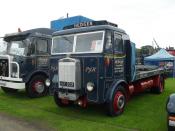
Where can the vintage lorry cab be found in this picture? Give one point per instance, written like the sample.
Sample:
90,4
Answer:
24,63
95,62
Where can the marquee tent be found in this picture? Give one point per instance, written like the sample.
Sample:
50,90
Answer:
162,59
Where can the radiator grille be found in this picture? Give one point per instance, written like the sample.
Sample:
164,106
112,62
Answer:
69,74
4,67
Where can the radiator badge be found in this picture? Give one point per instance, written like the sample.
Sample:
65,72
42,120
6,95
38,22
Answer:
90,69
53,68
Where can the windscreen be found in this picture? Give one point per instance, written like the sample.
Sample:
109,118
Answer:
63,44
18,47
91,42
3,47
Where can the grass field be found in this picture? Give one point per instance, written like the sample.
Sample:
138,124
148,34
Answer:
144,112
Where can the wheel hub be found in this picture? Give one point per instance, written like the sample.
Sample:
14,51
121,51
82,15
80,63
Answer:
121,102
39,87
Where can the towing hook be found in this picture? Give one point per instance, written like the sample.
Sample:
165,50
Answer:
67,92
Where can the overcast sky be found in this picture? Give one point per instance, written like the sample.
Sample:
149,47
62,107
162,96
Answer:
141,19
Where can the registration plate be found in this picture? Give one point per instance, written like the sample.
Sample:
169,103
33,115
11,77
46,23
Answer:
68,84
171,123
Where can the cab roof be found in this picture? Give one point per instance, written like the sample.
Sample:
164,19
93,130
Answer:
87,27
37,32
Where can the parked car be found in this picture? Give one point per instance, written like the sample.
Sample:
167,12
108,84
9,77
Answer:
171,112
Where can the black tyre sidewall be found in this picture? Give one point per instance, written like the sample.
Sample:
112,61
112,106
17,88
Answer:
170,128
157,90
58,101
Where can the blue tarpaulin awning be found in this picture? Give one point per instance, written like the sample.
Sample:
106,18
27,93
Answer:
162,59
162,54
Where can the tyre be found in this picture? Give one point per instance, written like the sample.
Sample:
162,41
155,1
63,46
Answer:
170,128
9,90
36,87
160,88
117,103
60,102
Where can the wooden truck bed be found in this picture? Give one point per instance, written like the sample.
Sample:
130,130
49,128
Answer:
143,71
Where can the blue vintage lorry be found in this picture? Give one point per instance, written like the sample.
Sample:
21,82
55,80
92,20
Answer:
94,62
24,62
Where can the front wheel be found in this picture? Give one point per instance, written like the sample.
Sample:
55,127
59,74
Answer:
9,90
60,102
117,103
36,87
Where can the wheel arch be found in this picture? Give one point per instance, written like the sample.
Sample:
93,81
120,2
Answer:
115,85
35,74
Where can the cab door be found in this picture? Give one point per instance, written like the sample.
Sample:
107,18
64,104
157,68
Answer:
42,53
118,56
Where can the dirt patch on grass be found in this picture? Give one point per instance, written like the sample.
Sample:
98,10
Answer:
9,123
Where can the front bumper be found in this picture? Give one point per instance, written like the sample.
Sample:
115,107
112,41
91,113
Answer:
171,122
14,83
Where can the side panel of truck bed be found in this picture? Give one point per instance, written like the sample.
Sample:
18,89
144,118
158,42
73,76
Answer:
147,74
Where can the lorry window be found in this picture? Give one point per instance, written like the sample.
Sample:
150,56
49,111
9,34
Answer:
18,48
118,43
108,46
3,47
63,44
91,42
42,46
32,49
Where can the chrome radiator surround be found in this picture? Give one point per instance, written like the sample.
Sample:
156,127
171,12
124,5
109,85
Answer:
69,74
9,68
4,67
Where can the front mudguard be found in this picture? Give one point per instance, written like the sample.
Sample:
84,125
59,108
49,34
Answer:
114,86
